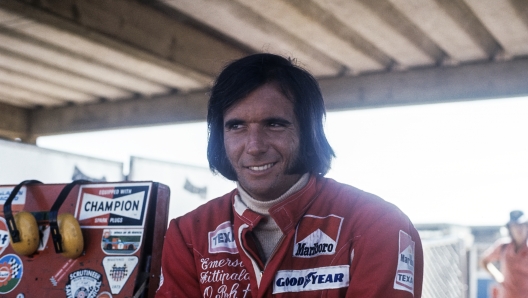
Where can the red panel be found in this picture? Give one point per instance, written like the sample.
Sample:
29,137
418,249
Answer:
123,226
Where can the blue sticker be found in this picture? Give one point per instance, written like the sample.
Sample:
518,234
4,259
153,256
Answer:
11,270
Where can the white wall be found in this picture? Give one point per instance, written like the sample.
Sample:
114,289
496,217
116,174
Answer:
20,162
175,175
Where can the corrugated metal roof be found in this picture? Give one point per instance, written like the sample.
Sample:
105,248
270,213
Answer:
59,54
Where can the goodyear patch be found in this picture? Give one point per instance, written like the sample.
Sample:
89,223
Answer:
11,271
322,278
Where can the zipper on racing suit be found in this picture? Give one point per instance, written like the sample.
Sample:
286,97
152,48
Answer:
256,267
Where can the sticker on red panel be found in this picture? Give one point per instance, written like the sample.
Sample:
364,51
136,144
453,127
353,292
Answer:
404,279
118,270
59,275
18,201
113,205
104,295
121,241
44,236
317,236
83,283
11,271
4,235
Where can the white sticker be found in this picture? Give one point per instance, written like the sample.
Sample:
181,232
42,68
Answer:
118,270
4,235
83,283
121,241
113,205
45,232
222,239
404,279
19,199
323,278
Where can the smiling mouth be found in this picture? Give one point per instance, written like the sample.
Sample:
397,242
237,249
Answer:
261,168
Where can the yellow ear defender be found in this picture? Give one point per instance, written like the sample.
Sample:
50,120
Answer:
65,229
23,229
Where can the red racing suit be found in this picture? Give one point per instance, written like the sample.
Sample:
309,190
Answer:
338,242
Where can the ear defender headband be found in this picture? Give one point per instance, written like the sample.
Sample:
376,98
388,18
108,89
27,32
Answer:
65,229
23,229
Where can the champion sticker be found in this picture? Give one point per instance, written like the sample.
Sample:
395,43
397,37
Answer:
404,279
11,271
4,235
314,279
118,270
222,239
317,236
121,241
83,283
113,205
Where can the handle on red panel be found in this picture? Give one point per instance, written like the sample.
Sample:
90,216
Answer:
54,211
11,225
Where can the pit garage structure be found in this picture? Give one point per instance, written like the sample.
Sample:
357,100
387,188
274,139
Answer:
83,65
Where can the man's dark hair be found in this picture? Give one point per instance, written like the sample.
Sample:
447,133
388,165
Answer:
245,75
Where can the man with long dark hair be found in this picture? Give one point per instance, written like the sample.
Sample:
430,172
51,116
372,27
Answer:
286,230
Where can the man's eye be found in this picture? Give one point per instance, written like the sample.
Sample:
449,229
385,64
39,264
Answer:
234,126
277,124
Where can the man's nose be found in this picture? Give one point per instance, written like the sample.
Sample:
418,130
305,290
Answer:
256,141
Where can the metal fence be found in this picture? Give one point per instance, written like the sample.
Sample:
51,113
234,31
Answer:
445,268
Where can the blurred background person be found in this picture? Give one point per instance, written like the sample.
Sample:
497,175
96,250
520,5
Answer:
512,256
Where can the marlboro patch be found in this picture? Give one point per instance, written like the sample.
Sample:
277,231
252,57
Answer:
317,236
404,279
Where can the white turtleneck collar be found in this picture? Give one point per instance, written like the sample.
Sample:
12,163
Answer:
262,207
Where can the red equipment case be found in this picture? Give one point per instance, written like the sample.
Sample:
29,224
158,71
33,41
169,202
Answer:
123,226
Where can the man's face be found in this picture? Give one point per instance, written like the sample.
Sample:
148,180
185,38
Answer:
261,138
